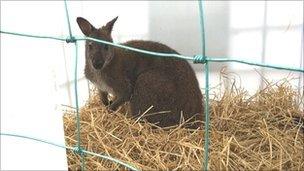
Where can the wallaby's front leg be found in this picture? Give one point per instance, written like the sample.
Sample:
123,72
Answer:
104,97
123,94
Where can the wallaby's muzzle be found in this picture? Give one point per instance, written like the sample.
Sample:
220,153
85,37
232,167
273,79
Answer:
97,63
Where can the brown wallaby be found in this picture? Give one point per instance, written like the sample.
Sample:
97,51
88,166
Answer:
167,84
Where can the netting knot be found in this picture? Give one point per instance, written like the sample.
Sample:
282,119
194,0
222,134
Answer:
70,39
199,59
78,150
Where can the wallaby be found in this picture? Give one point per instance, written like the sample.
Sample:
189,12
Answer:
169,85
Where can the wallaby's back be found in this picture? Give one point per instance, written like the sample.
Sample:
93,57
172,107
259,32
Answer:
166,83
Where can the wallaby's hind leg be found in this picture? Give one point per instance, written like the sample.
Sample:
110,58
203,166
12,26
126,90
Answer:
153,88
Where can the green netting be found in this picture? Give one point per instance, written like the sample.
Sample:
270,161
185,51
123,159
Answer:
201,59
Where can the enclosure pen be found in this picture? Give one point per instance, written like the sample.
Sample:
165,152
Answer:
200,59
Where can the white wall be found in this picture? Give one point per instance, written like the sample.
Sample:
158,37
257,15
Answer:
176,23
29,100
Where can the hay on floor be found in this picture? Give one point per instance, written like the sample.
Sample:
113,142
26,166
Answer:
247,133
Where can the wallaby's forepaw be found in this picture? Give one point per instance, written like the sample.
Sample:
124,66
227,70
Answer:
105,103
109,109
112,107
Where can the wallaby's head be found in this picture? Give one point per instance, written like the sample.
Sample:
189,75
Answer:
97,55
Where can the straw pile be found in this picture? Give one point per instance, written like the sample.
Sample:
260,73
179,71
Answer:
247,133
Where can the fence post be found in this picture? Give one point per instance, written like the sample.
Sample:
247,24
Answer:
71,39
206,157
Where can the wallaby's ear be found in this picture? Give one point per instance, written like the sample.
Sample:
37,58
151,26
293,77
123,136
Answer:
110,24
85,26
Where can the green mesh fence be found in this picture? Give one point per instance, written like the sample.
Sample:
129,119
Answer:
201,59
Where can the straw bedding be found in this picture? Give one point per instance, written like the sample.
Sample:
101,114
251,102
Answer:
247,133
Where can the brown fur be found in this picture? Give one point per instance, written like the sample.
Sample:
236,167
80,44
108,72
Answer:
168,84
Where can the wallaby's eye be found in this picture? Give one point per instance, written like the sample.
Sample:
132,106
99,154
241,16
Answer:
106,47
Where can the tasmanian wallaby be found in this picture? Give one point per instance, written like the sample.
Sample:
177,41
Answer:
167,84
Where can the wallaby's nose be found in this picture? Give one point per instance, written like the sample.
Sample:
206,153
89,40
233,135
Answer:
97,64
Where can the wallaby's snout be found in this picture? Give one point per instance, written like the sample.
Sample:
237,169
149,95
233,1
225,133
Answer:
97,63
